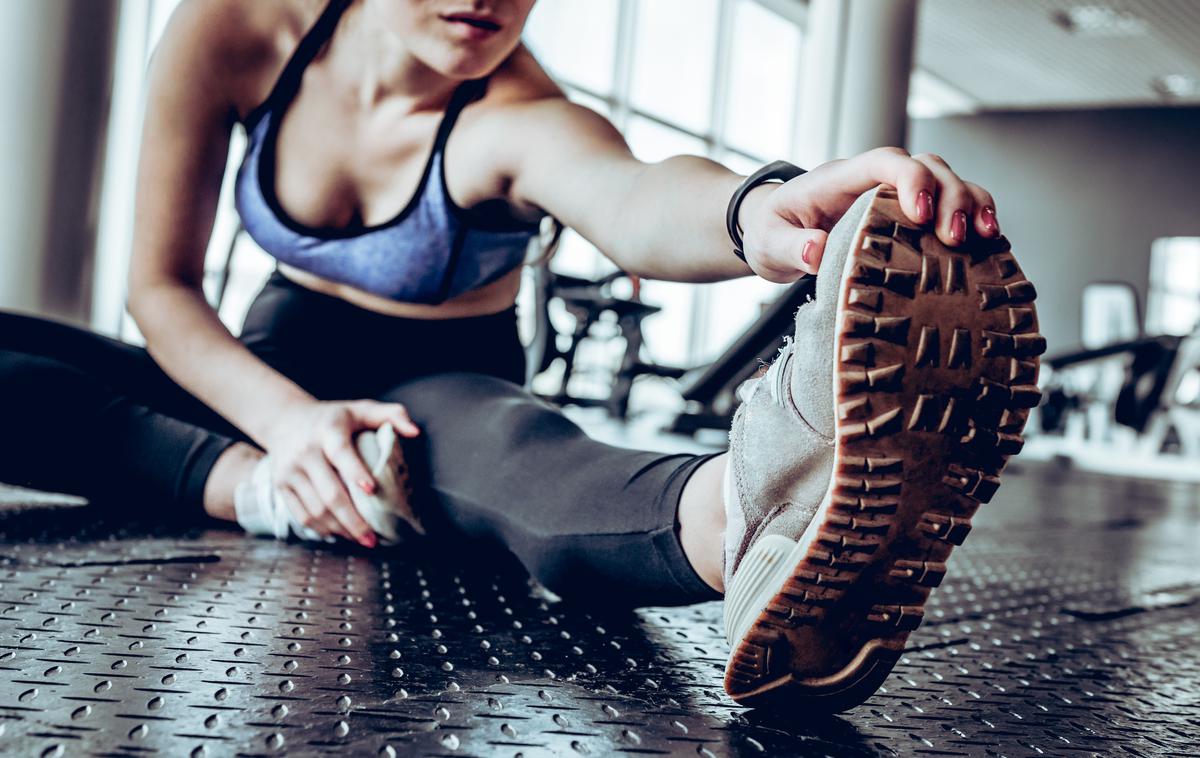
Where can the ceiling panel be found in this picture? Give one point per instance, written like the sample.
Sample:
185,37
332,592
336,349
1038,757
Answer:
1015,54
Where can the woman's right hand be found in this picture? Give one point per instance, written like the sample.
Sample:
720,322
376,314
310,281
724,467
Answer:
313,460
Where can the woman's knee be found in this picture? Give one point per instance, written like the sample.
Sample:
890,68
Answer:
38,400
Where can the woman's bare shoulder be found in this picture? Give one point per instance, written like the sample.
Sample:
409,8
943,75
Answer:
522,79
243,44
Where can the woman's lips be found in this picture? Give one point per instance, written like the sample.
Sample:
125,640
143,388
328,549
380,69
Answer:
472,27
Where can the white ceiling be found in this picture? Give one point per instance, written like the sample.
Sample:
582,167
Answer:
1003,54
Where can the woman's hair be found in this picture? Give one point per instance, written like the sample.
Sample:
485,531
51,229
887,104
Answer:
545,242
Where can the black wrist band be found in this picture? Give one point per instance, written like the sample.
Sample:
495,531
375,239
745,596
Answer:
777,171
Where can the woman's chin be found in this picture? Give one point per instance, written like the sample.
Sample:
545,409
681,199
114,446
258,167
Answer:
467,61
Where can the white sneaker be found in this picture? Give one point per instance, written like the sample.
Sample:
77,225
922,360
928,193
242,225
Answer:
391,503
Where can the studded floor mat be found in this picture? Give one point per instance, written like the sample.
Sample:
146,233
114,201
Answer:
1066,626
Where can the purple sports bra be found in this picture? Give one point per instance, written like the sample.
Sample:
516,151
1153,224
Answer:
431,251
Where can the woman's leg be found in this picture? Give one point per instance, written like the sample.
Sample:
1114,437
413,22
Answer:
92,416
585,518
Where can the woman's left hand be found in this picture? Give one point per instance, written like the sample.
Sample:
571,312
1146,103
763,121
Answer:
784,235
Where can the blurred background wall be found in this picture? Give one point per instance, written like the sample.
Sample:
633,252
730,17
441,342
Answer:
1083,194
57,58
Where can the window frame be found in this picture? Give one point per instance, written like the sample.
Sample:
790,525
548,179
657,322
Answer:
619,102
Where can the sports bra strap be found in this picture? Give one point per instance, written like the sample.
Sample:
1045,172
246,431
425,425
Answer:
310,44
466,93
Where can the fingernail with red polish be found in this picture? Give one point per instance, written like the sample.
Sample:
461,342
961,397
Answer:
806,254
366,486
369,540
958,226
925,206
989,220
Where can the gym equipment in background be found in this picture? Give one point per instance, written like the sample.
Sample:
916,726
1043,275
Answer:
708,390
1125,393
1175,420
587,300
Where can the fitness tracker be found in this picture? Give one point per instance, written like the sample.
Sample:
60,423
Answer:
778,171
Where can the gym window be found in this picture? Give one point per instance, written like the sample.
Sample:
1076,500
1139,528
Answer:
717,78
1173,303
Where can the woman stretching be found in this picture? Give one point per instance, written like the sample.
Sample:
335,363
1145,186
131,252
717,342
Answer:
401,154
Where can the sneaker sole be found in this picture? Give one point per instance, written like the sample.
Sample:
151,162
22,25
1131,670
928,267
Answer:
937,370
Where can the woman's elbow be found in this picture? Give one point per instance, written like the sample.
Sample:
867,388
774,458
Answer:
146,294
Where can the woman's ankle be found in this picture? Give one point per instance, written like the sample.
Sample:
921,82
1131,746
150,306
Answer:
233,467
702,521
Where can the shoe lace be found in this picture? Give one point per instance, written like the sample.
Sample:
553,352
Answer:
778,373
776,376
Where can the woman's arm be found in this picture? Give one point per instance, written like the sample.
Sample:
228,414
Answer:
661,221
189,117
188,121
666,220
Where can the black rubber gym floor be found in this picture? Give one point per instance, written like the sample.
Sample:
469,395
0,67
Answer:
1068,625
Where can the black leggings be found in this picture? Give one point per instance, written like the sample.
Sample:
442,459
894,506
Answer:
87,415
